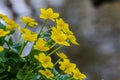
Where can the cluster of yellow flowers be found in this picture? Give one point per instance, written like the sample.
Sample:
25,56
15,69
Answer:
60,34
65,65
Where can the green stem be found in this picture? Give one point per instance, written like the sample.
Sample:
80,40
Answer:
7,44
26,26
22,47
27,73
71,78
48,42
31,71
24,65
42,28
58,76
26,77
46,31
55,50
36,68
53,45
19,38
57,62
39,34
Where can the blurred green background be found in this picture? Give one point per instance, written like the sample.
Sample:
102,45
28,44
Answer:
97,30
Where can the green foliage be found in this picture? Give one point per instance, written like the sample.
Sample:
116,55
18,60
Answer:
2,26
15,47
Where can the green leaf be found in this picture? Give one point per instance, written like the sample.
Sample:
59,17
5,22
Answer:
54,71
13,57
12,31
2,67
2,56
2,77
2,41
33,52
10,41
2,26
20,75
46,35
2,70
22,59
16,47
64,77
32,77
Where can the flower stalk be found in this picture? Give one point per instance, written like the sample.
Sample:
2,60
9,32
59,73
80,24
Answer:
56,50
42,27
21,34
22,47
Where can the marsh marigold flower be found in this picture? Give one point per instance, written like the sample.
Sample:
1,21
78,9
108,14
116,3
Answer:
47,73
62,55
3,33
45,60
1,48
67,30
59,37
11,25
29,36
40,45
61,24
2,15
73,39
78,75
70,35
29,21
67,66
48,14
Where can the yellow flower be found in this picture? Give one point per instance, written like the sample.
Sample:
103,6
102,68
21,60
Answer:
26,31
61,24
29,36
1,48
67,30
66,66
48,14
11,25
40,45
2,15
59,37
3,33
73,39
78,75
45,60
29,21
47,73
62,55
